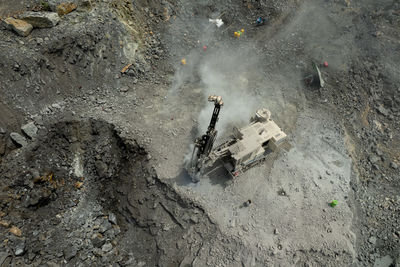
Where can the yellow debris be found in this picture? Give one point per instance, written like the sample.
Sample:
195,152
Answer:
125,68
242,30
183,61
78,185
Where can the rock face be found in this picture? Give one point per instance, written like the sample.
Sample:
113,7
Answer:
19,26
65,8
41,19
18,139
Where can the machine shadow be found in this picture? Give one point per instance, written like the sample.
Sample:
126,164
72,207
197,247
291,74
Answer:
216,174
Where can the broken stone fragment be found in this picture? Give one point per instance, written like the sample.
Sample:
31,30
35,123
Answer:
70,252
98,240
16,231
106,247
393,165
19,26
105,226
41,19
383,111
18,139
20,249
30,130
5,223
112,218
65,8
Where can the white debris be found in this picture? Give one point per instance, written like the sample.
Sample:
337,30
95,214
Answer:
217,22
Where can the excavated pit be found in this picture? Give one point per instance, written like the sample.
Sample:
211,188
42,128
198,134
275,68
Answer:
86,192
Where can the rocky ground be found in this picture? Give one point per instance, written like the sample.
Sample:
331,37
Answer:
97,114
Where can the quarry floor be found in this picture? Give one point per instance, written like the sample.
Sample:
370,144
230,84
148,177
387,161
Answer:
158,109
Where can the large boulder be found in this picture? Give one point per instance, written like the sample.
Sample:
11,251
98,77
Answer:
30,130
18,139
55,4
65,8
21,27
41,19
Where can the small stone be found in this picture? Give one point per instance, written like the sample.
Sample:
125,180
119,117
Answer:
5,224
124,89
102,168
19,249
70,252
16,231
65,8
18,139
373,159
372,240
105,226
21,27
56,106
30,130
328,172
112,218
383,111
194,219
276,231
41,19
2,131
97,240
106,247
393,165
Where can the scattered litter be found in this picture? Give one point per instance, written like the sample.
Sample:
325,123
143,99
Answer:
247,203
124,69
315,79
78,185
321,81
325,63
260,21
217,22
333,203
238,33
204,48
183,61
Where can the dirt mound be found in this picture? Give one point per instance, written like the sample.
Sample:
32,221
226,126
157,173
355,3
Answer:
84,194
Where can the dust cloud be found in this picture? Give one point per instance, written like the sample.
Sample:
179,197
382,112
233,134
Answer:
224,69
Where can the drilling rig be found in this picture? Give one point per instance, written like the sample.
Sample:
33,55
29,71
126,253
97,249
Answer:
204,144
245,148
